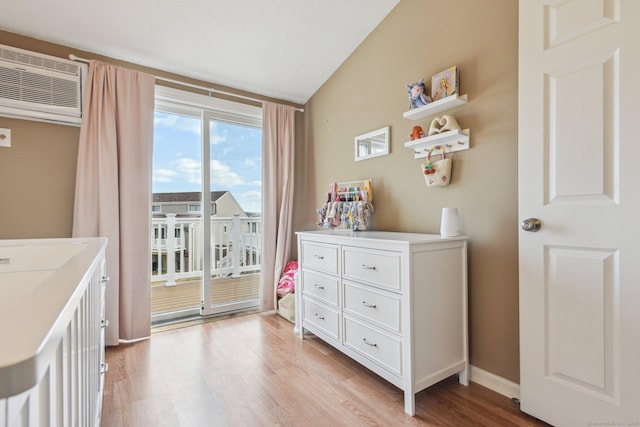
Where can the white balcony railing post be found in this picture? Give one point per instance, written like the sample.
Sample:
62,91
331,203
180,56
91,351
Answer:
236,238
171,249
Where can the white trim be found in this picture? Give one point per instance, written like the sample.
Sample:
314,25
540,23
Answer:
494,382
170,100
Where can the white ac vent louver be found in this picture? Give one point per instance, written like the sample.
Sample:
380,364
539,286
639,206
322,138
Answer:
40,87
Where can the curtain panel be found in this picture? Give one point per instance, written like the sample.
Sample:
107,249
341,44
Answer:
278,142
113,190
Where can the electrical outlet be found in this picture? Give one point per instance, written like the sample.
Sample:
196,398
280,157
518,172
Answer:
5,137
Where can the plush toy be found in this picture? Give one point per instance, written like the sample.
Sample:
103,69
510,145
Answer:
417,96
416,133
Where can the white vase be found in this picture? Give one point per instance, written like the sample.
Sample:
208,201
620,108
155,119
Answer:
449,223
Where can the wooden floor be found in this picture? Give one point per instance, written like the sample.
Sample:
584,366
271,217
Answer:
253,371
187,294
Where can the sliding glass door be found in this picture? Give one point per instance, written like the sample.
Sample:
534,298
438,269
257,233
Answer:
176,234
206,234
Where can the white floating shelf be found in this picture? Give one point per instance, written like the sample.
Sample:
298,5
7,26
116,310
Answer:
453,140
436,107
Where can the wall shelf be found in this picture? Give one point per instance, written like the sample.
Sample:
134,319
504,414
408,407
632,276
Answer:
436,107
453,140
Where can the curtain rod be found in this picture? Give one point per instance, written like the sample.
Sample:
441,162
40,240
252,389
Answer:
208,89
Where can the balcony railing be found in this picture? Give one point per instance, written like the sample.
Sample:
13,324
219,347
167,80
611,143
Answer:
177,247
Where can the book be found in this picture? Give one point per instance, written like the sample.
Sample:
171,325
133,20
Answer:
445,83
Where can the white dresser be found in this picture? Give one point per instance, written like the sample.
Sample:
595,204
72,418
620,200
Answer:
395,302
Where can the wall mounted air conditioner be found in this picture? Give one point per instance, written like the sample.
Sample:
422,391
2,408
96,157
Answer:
40,87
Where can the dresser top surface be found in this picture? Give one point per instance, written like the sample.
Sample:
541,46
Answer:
394,236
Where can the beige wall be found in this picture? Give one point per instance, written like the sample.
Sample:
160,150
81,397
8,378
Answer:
418,39
37,180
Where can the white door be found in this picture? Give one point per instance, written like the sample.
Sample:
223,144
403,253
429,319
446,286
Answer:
579,174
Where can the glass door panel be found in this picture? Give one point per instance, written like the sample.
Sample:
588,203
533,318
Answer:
177,238
235,174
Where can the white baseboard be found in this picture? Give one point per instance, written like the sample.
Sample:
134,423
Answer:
494,382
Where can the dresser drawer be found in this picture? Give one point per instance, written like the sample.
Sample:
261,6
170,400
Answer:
322,317
320,286
379,307
323,257
383,349
378,268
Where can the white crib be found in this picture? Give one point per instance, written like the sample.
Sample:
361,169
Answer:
51,332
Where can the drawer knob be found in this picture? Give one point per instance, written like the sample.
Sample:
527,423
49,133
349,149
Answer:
372,344
315,285
316,256
366,304
368,267
317,316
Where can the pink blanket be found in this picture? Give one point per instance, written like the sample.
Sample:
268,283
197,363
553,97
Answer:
286,284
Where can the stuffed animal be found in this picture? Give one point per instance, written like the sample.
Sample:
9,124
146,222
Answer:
416,133
417,97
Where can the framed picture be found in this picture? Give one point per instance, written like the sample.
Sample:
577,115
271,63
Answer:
445,83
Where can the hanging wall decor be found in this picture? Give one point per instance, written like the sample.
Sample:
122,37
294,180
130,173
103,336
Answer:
437,174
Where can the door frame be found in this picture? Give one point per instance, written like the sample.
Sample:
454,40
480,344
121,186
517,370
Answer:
207,109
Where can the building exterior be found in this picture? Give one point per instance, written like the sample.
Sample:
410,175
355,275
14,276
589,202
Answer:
189,205
177,234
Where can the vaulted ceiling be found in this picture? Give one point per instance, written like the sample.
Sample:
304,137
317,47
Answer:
284,49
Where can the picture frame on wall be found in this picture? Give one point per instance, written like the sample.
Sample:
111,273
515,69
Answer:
445,83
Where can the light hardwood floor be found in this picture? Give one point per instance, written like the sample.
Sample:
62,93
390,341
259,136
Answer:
252,370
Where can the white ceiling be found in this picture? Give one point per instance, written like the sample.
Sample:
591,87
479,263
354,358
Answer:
284,49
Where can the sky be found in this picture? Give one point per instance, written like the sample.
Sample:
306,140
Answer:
235,164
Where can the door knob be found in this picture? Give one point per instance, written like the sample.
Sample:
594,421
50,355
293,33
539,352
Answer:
531,224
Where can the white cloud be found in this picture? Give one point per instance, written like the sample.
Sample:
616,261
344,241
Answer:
163,175
252,207
252,162
221,174
256,183
174,121
216,139
190,169
215,136
254,195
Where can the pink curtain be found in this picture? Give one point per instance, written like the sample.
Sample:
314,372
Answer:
113,190
278,137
